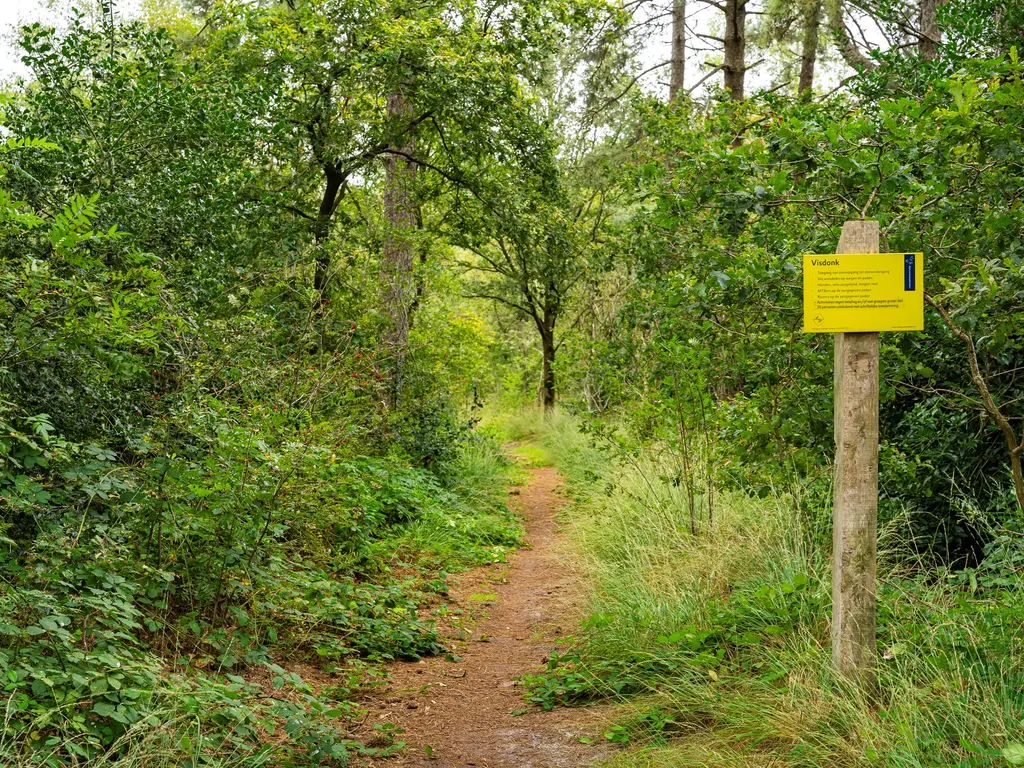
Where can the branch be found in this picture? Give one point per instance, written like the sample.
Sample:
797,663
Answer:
986,397
703,80
298,212
500,300
844,41
629,87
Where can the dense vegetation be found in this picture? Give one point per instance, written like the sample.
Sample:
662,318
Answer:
264,265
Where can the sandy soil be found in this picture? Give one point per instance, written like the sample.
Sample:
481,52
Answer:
463,709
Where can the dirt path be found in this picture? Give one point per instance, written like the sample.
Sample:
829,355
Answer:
461,708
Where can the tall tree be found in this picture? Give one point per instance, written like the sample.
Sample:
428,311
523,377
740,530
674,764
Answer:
734,44
809,44
676,78
397,256
532,245
364,93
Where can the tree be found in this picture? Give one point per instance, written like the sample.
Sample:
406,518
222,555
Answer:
367,91
531,252
678,71
734,44
809,44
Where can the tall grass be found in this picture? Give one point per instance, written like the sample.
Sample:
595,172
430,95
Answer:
759,688
163,739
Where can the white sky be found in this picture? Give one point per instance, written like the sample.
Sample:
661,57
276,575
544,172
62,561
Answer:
14,13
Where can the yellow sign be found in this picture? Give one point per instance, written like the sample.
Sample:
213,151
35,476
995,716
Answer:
851,292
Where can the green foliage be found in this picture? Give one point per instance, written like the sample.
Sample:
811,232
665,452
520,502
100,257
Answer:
206,474
708,339
200,484
717,645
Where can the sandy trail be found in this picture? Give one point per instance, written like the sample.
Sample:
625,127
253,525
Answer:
462,709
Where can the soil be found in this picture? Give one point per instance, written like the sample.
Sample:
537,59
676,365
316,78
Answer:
467,709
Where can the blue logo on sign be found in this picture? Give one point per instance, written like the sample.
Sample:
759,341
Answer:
909,271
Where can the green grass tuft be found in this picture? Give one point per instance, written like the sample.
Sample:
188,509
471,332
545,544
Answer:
531,456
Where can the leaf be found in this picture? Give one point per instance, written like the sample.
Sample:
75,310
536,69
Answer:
104,708
1014,753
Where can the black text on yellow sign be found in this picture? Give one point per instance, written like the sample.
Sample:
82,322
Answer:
851,292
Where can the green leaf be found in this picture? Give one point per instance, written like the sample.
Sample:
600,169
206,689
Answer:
1014,753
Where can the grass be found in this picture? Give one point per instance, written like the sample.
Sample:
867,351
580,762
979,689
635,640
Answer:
718,644
531,456
523,425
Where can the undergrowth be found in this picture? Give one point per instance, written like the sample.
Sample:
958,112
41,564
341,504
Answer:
107,659
718,644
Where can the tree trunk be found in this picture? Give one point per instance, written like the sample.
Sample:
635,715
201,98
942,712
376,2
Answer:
396,264
928,24
322,228
809,48
422,253
547,340
734,62
675,85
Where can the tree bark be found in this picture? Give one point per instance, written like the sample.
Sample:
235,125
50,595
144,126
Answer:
809,47
333,180
734,61
396,264
675,85
546,325
547,339
928,27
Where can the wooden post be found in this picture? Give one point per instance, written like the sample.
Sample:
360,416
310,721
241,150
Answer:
855,509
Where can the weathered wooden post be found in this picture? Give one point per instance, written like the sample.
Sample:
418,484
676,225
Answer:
855,506
855,294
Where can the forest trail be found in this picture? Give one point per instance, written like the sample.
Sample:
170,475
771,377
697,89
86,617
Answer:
463,710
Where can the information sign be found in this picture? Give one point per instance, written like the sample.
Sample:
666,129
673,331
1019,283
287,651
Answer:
852,292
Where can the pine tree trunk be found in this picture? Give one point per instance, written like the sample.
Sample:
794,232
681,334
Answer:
396,264
734,62
809,47
675,85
